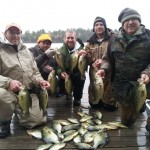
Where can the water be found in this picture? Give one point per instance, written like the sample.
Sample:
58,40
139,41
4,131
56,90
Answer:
54,45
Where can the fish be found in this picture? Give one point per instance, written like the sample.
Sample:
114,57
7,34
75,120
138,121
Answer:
68,132
82,130
62,122
97,121
118,124
57,146
44,147
68,85
24,101
70,127
100,139
139,95
35,133
89,136
60,60
81,114
52,79
98,89
74,60
83,146
43,100
97,115
82,65
49,136
70,137
77,139
73,120
57,127
85,118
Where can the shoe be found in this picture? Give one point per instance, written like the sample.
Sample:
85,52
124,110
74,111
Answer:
76,102
4,129
109,107
68,97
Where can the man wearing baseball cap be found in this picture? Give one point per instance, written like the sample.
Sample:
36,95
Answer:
18,68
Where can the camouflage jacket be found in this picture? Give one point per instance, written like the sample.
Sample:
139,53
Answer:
17,63
127,59
96,49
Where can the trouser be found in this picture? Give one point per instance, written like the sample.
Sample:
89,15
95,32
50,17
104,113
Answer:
78,86
9,105
128,114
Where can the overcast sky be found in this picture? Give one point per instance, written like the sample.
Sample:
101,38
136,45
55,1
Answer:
53,15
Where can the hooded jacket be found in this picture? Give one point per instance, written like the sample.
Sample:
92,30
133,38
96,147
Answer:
17,63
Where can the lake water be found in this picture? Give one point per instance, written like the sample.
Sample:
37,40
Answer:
54,45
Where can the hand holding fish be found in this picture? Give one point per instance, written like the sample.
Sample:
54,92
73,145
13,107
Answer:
44,84
15,85
145,78
100,73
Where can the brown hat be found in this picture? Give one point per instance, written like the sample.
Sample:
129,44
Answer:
13,25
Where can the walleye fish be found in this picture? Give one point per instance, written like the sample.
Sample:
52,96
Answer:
74,60
60,60
139,95
68,85
24,101
43,100
82,65
52,79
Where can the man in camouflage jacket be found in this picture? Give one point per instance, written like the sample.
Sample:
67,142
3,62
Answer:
128,57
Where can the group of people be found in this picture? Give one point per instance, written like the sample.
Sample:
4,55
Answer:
118,58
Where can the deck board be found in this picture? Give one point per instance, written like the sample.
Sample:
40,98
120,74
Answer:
133,138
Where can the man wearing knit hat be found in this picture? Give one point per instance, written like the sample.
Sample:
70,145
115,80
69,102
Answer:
128,56
95,48
44,55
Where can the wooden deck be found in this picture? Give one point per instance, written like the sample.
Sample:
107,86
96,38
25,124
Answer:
135,138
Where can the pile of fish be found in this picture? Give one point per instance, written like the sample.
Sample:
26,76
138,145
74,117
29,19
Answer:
88,132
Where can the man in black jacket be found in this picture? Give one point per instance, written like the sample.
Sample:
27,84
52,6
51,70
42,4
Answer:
44,55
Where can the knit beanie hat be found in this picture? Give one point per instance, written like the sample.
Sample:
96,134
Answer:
128,13
99,19
44,37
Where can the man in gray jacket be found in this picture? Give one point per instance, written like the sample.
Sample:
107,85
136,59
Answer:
17,68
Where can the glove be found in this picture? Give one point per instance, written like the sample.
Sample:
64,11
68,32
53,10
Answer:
50,52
